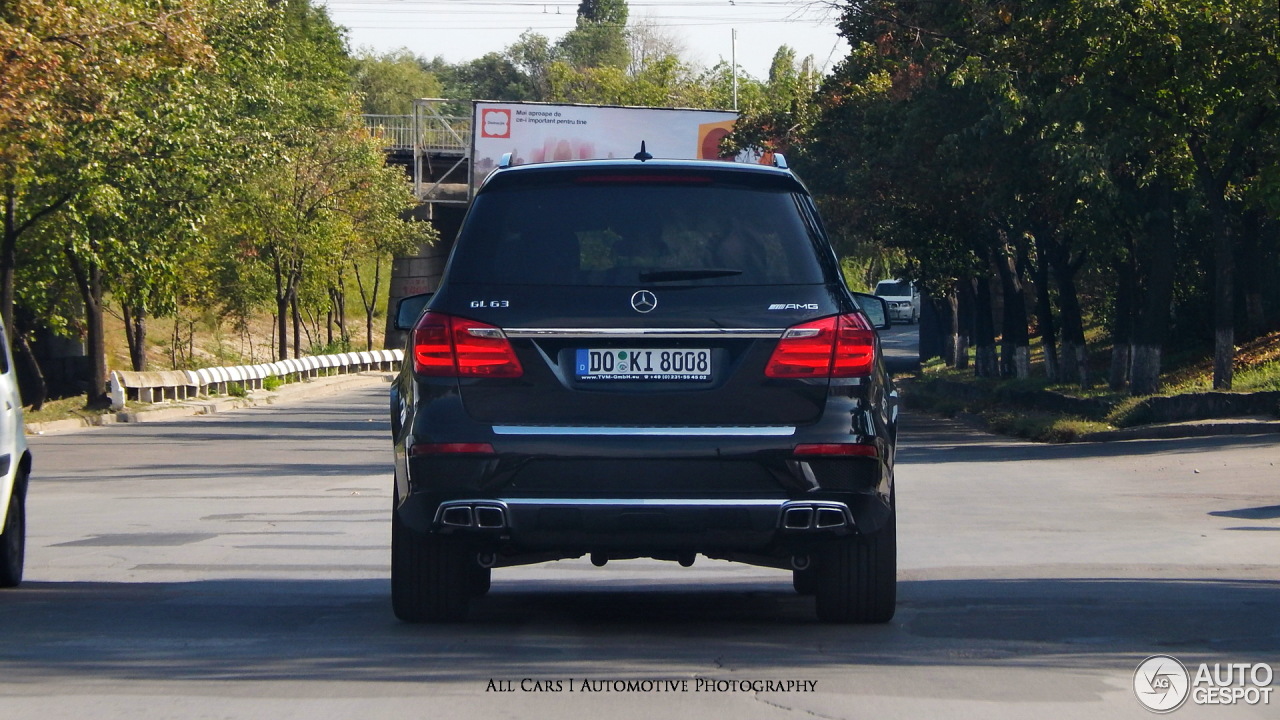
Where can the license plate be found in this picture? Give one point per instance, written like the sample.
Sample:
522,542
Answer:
665,364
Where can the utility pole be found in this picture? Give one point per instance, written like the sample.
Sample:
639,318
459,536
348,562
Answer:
733,55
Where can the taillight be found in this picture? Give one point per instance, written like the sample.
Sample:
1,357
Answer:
833,347
447,346
451,449
845,449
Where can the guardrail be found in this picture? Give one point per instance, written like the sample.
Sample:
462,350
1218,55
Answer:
445,134
152,387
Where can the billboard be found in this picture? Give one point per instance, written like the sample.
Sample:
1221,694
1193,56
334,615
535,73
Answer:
540,132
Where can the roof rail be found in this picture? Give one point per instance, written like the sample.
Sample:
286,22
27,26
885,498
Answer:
780,162
505,162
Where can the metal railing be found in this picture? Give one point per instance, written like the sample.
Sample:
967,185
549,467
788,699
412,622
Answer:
446,136
178,385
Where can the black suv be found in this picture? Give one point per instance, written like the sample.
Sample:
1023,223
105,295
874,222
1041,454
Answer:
631,358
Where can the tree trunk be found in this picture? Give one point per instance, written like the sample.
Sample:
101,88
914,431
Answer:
1156,266
1252,267
37,390
297,325
984,332
1224,310
8,256
369,298
340,310
1122,320
328,323
1074,357
282,327
942,338
1015,346
964,320
89,282
135,333
1044,309
377,285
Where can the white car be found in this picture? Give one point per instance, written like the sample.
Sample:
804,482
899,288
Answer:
15,467
903,299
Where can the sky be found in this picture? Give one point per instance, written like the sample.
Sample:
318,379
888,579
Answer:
461,30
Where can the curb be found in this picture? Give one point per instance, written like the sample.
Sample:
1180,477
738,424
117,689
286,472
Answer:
315,387
1166,431
1208,428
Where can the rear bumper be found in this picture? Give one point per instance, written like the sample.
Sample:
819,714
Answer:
644,490
575,526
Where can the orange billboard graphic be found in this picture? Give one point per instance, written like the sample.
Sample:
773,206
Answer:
709,137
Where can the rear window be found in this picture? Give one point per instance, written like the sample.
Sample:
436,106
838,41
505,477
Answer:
624,234
893,288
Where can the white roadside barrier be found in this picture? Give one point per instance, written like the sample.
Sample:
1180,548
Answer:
164,385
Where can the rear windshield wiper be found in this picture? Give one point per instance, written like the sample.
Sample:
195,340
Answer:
699,274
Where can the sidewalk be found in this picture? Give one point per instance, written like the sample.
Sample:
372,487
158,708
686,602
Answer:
314,387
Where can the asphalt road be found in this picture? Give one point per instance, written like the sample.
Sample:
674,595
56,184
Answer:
900,344
236,566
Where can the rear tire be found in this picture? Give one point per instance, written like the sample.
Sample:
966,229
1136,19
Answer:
805,581
481,580
858,577
430,577
13,539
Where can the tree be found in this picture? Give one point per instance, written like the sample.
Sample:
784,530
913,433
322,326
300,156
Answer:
72,83
387,84
492,76
532,55
647,42
599,39
1084,142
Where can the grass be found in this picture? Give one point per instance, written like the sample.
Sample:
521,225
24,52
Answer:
1257,369
68,408
204,340
61,409
1041,427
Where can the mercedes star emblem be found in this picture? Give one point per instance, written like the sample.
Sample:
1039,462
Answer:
644,301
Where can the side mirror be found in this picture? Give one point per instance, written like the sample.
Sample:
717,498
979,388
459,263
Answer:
408,310
875,308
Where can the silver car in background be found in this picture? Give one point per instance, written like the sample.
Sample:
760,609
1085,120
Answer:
903,299
15,467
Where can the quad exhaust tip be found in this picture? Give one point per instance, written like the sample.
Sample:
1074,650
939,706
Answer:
814,516
473,515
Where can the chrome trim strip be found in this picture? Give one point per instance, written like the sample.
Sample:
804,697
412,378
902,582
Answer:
619,502
747,333
700,431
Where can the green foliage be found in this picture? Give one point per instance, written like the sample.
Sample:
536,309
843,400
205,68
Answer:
235,389
1071,138
272,383
779,114
492,76
332,348
1259,378
599,39
170,155
387,84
